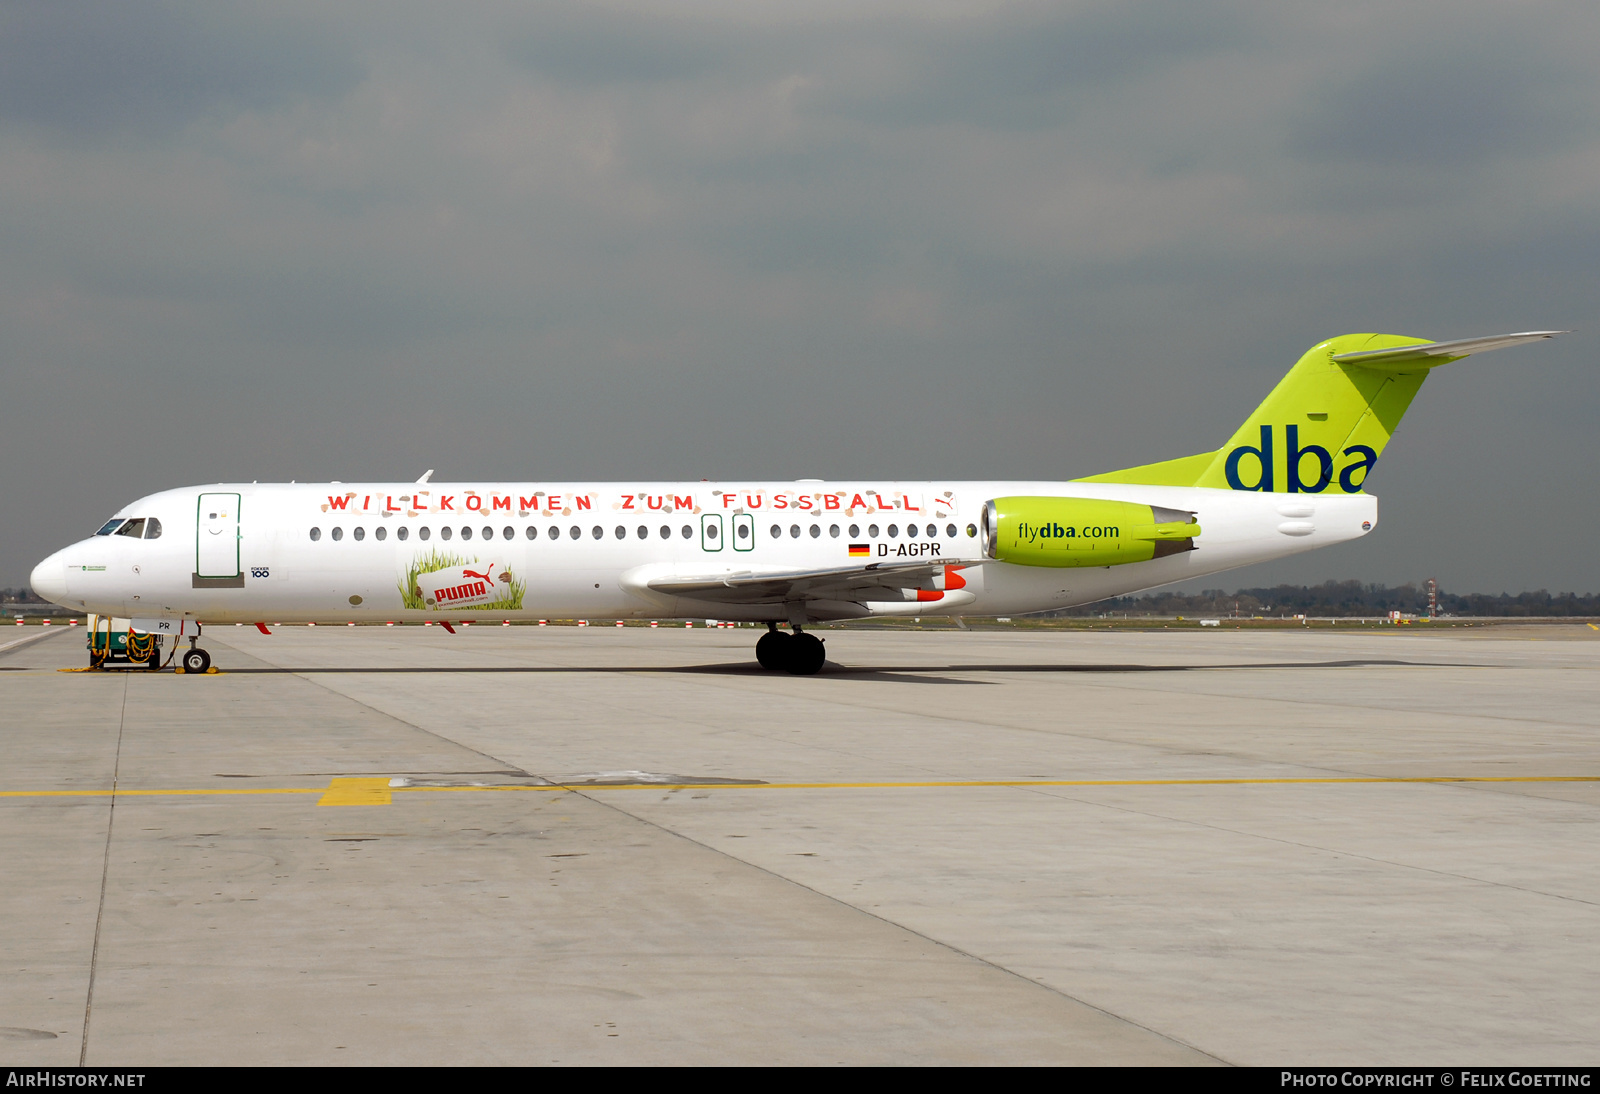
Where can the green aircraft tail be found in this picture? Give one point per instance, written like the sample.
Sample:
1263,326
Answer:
1326,423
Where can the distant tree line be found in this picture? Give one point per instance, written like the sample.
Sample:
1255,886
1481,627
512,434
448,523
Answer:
19,596
1331,598
1344,598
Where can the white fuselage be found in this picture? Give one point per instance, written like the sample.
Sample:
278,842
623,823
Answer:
338,552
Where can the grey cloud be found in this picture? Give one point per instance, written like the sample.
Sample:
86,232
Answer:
146,65
565,241
1014,70
586,46
1448,104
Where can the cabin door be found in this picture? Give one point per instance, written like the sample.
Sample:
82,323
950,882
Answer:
216,550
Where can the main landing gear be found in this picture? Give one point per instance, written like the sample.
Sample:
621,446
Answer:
799,653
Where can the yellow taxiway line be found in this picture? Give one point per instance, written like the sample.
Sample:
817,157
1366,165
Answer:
378,791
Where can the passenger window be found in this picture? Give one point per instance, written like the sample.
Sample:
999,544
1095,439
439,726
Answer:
644,533
423,533
833,530
508,532
133,529
555,533
401,533
488,533
575,532
815,531
445,533
950,530
360,533
911,530
777,532
666,532
872,531
110,526
688,531
380,533
338,534
622,533
533,533
855,530
316,534
152,529
972,530
599,532
743,531
466,533
893,531
794,531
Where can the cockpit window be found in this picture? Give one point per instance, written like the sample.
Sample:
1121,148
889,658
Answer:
111,526
152,529
134,529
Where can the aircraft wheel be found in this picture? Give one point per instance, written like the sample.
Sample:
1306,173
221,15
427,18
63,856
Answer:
196,660
773,649
806,655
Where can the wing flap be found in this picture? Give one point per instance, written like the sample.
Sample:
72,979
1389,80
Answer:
872,581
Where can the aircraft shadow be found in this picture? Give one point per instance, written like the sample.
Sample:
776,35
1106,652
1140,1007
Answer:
927,674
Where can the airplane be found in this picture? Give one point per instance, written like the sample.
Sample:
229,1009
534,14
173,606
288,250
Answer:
1290,479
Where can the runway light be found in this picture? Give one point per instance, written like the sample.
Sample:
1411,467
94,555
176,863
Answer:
653,623
619,622
542,622
389,624
505,622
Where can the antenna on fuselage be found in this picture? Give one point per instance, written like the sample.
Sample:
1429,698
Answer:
426,475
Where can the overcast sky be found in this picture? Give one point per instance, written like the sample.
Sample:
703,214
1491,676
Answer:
342,240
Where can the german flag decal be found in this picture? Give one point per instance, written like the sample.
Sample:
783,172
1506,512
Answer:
860,550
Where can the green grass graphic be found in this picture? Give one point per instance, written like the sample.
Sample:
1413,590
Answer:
436,559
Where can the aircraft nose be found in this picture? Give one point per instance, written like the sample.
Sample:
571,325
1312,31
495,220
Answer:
49,579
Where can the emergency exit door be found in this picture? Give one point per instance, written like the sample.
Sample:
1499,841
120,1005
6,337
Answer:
216,550
711,531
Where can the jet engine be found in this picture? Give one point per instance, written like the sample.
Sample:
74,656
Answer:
1083,531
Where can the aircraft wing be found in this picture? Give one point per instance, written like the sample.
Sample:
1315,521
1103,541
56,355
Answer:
1449,351
870,581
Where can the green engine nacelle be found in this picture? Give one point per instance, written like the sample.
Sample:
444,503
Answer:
1083,531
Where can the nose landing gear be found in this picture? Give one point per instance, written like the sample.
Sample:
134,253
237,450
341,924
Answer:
799,653
196,659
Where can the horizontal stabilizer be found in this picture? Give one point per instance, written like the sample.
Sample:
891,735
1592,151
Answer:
1438,353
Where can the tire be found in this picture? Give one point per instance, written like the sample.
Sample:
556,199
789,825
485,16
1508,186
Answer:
806,655
773,650
196,661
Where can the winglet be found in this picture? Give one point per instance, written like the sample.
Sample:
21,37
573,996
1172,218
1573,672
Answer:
426,475
1443,351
